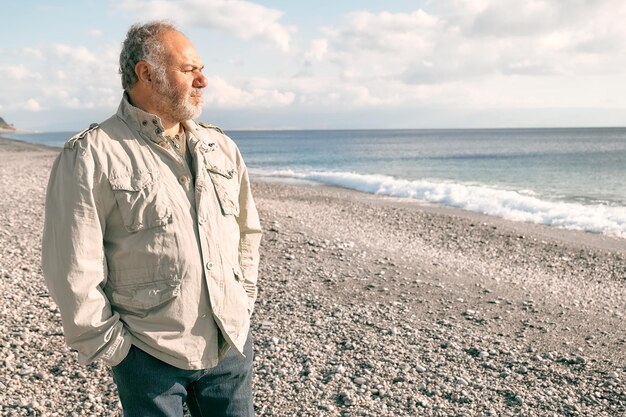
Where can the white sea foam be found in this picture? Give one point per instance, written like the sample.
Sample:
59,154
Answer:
522,206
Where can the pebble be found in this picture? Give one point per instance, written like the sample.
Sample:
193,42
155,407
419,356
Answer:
462,381
419,368
339,369
26,371
360,380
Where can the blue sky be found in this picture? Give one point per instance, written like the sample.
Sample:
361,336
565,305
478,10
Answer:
332,64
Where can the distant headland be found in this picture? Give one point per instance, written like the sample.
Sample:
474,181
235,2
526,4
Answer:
5,127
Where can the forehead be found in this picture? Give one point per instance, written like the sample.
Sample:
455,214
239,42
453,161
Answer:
178,49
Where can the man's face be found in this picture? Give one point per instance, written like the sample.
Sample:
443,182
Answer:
180,82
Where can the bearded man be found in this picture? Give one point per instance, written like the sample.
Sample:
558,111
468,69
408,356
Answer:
151,239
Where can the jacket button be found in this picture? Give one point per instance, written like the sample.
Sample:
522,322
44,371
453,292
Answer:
209,266
201,220
184,180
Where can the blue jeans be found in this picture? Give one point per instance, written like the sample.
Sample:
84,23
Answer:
149,387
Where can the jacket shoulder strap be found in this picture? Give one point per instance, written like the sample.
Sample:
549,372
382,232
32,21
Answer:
210,126
72,141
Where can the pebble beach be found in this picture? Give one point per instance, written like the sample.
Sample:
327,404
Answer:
368,306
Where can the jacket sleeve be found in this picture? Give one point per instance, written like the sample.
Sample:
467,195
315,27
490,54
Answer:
249,234
73,259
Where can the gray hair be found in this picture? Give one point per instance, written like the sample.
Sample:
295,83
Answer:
142,44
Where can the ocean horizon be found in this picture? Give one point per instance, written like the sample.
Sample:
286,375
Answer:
572,178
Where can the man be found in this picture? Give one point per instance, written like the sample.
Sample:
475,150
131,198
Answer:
151,238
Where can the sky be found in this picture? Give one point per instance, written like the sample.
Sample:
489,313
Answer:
331,64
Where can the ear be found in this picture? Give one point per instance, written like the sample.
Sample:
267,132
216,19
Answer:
144,72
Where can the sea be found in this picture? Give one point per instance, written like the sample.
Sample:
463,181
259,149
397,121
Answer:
573,178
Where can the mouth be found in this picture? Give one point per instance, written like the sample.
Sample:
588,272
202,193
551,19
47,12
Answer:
197,98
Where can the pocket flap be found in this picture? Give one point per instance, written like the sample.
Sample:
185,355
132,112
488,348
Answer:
227,172
218,164
133,182
144,297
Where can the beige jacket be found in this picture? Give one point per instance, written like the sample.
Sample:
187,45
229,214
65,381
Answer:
135,252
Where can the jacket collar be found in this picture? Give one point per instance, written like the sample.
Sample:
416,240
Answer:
200,140
147,124
150,127
199,136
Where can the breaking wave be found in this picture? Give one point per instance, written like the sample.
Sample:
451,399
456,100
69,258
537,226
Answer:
523,205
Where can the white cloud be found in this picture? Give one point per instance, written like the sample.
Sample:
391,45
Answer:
386,32
242,19
458,47
221,93
80,69
76,53
506,18
57,76
21,73
317,50
34,52
32,105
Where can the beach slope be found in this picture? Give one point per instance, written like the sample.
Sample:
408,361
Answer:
368,306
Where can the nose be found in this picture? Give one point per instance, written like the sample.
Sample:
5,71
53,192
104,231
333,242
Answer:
200,81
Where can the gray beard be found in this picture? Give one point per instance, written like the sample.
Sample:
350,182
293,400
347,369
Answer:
175,106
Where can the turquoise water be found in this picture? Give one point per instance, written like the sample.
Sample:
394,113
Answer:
572,178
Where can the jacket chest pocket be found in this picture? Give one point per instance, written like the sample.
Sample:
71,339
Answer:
227,192
141,204
225,182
